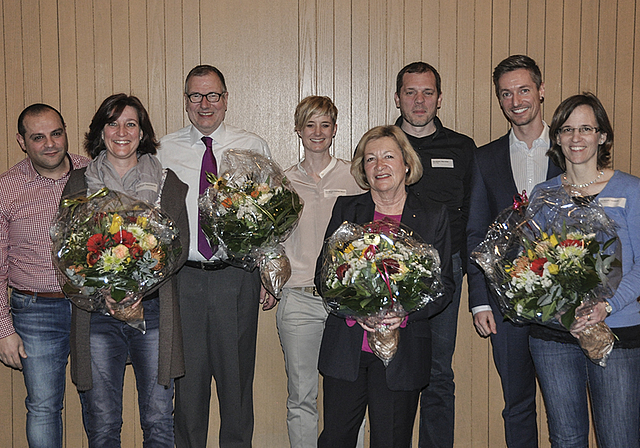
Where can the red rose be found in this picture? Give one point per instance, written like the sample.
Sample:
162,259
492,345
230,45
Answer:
96,243
565,243
136,251
124,237
391,266
92,258
537,266
370,252
342,269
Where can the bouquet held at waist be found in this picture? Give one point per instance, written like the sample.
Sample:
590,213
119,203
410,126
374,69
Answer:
552,261
113,249
376,270
249,210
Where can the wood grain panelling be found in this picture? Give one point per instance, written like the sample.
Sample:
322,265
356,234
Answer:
74,53
5,124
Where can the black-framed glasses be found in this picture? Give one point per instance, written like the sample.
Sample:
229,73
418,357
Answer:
582,130
212,97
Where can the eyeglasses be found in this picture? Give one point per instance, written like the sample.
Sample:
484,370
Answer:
212,97
583,130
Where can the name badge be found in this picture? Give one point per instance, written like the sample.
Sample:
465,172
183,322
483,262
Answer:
613,202
334,192
441,163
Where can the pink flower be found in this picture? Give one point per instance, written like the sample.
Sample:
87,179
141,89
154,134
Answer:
121,251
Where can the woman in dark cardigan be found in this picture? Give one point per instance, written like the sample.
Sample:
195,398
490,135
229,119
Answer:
354,378
119,131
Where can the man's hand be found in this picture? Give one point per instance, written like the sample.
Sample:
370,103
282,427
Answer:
484,323
268,301
12,351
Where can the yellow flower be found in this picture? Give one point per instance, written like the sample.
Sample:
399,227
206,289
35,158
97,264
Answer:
553,269
142,222
349,249
531,254
554,240
545,236
116,223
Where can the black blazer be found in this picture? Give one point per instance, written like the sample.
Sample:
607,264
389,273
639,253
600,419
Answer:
341,344
492,190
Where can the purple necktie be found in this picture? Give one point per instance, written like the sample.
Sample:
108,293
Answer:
208,166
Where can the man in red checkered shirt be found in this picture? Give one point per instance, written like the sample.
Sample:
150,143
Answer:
34,331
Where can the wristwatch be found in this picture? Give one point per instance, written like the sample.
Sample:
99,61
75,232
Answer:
607,307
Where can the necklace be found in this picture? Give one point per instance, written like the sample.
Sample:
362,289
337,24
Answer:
564,178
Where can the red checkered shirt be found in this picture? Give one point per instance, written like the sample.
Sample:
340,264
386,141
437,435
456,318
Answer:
28,203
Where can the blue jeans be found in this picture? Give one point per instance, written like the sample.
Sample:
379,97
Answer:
112,341
437,402
565,375
44,326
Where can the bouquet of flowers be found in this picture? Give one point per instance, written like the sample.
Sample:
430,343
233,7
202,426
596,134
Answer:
375,270
543,272
248,210
113,248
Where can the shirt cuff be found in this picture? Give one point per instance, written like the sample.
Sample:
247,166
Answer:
476,309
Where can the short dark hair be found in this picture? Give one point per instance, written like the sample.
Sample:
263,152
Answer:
418,67
35,109
516,62
561,115
110,110
203,70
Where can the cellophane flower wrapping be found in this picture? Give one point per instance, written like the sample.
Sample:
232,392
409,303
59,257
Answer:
375,270
248,210
542,264
113,249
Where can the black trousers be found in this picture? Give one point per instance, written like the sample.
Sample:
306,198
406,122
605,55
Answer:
391,413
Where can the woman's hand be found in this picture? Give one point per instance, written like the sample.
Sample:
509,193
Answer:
391,321
111,303
588,315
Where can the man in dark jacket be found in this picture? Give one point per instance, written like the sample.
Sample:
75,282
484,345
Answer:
515,162
446,158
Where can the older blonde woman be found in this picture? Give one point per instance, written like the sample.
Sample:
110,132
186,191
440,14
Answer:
354,378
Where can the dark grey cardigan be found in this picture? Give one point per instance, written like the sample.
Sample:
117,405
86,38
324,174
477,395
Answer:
170,359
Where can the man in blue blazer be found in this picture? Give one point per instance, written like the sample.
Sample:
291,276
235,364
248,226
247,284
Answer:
514,163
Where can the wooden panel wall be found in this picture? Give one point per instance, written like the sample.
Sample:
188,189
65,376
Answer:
74,53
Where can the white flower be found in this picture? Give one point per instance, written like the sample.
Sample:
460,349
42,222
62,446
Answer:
264,198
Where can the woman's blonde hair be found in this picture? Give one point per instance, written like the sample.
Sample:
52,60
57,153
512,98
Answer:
409,155
314,105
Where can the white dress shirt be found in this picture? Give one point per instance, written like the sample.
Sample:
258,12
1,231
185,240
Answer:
529,166
182,151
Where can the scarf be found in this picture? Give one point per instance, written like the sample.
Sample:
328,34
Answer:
143,181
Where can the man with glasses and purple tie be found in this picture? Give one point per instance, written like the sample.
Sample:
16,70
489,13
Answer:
218,303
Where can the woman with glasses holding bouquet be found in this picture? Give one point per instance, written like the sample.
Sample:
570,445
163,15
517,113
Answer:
582,138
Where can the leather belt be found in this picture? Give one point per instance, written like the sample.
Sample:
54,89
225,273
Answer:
207,265
45,295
